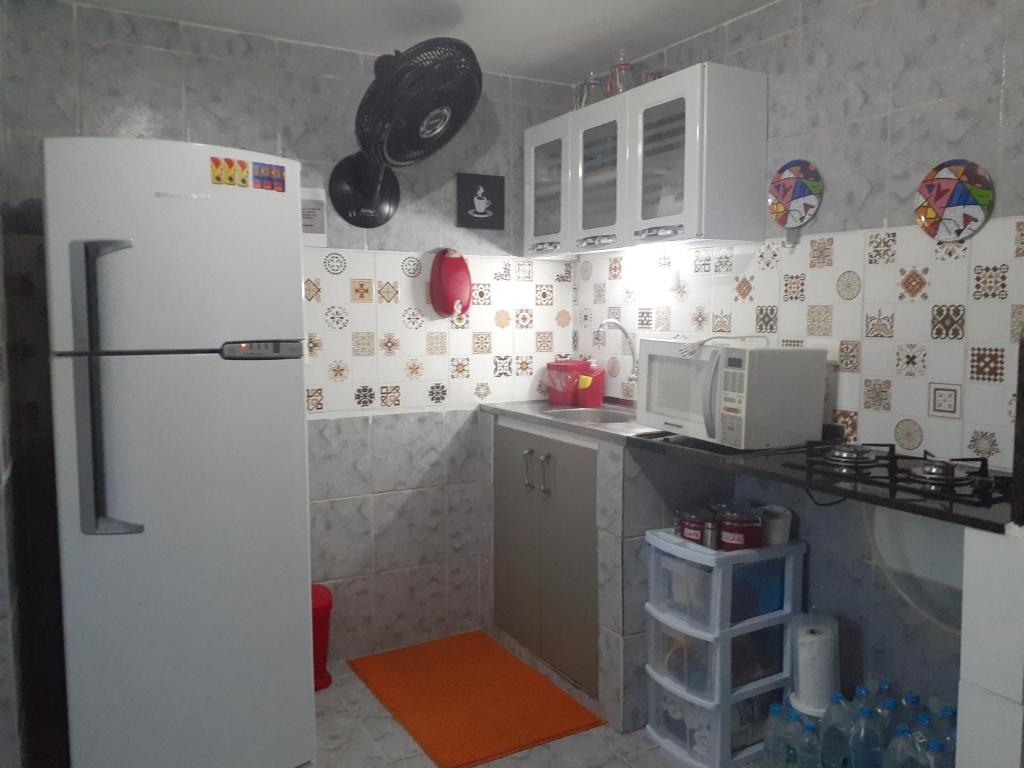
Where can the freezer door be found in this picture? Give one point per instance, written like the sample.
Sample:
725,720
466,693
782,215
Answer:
189,643
181,262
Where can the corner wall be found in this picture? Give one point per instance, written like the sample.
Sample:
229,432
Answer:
401,525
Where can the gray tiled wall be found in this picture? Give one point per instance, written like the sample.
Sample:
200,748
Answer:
400,525
71,70
875,93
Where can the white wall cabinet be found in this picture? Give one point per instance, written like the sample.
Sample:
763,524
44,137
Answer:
680,158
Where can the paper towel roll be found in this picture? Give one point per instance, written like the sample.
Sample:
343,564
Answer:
815,663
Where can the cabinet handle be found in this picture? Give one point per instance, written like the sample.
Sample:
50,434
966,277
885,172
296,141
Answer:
543,459
527,454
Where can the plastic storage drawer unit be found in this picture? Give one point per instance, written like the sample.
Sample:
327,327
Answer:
718,634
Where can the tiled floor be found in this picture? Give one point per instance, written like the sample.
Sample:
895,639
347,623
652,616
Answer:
355,731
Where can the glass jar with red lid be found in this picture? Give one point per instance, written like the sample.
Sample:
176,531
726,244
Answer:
740,529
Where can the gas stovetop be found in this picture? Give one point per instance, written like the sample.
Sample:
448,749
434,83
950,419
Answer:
962,490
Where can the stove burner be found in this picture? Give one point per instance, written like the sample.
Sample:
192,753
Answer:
852,453
852,459
935,472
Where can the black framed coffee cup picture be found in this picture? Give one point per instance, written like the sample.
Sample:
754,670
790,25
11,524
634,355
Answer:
479,201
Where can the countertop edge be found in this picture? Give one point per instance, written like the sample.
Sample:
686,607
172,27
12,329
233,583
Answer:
532,411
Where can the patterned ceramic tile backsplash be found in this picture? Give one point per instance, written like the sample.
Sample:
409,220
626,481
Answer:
925,335
374,342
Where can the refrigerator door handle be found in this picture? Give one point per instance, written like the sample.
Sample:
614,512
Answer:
85,290
92,481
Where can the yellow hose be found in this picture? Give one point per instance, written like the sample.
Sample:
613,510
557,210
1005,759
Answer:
877,555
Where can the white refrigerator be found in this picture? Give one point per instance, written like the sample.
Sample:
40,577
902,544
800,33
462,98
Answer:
175,326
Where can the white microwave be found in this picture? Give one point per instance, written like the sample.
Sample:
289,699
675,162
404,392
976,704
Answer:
732,392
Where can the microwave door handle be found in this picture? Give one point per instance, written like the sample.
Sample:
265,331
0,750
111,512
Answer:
710,390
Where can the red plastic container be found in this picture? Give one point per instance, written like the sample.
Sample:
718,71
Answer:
322,602
562,379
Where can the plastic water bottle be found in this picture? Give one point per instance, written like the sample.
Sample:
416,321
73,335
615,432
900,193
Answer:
887,715
861,697
935,755
901,752
774,738
951,745
923,732
808,750
836,724
793,731
911,708
866,740
882,692
944,724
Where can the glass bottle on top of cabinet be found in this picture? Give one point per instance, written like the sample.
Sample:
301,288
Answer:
546,149
599,162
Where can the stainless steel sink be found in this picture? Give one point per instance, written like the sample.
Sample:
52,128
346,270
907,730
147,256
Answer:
590,415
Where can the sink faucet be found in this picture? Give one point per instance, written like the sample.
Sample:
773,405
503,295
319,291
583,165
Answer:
611,322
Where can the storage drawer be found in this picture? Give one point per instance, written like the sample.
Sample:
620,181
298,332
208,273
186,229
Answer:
709,736
687,660
681,587
693,660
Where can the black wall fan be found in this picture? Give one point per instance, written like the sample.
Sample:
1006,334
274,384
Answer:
416,104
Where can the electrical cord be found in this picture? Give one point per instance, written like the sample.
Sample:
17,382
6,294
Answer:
810,496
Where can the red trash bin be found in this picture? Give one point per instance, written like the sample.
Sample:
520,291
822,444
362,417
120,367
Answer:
322,602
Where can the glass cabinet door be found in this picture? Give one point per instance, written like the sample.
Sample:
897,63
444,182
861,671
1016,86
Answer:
547,188
662,192
664,185
599,175
599,182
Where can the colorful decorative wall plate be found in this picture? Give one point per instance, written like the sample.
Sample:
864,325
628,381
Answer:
795,193
954,200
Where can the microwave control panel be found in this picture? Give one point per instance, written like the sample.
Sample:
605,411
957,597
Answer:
734,390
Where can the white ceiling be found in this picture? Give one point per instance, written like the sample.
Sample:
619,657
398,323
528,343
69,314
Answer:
557,40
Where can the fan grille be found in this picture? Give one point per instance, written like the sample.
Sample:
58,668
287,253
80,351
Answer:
421,103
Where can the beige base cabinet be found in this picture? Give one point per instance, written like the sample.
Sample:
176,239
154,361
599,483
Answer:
545,550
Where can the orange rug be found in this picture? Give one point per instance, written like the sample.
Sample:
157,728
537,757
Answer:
466,700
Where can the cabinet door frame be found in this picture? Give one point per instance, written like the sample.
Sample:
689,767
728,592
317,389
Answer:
612,110
536,136
687,84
